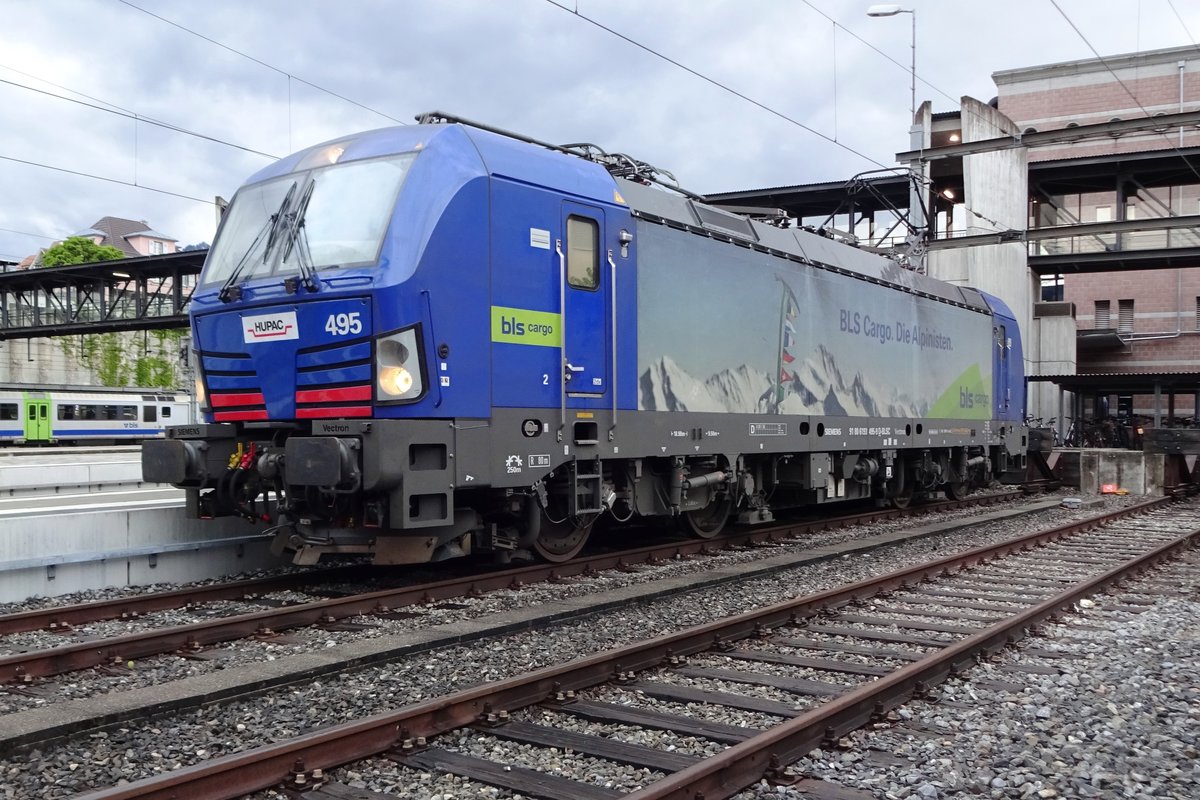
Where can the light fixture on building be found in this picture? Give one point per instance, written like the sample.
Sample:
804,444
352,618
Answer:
954,137
948,193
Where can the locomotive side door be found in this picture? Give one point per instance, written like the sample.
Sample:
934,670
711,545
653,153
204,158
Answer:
1000,384
37,420
584,278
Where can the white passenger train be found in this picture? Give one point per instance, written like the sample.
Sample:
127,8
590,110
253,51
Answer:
31,415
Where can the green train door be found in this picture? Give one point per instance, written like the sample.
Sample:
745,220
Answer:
37,420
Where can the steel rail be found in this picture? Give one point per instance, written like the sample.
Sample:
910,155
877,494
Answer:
742,765
63,618
404,729
23,667
66,617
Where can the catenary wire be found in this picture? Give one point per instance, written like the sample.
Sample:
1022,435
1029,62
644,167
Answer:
108,180
1123,85
260,62
714,82
120,112
1182,24
27,233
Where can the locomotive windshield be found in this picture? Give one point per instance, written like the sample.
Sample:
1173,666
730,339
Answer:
334,216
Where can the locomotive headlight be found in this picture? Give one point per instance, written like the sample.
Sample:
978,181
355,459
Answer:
395,381
201,396
193,359
398,367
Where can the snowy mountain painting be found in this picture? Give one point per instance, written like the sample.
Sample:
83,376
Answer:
818,386
740,334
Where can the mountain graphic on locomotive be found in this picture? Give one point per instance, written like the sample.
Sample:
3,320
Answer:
430,341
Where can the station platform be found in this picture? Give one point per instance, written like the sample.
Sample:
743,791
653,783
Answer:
1166,465
75,521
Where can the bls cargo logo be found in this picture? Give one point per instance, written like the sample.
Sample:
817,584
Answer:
522,326
269,327
970,399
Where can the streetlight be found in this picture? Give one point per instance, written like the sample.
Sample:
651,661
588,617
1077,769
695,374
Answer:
916,197
891,10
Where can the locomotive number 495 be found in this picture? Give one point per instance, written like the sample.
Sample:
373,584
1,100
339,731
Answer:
344,324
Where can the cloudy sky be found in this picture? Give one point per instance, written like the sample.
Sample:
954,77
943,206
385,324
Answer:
257,80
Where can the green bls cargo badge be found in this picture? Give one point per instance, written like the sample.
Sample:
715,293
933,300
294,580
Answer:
522,326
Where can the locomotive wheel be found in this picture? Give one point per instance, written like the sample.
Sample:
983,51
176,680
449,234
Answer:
707,522
561,541
904,499
957,490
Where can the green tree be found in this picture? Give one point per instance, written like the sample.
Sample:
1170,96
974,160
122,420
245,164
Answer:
105,355
79,250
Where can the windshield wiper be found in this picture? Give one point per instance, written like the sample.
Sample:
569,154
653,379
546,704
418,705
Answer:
297,239
230,291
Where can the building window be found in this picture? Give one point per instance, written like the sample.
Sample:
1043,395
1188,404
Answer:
1103,314
1103,214
156,248
1198,318
1124,316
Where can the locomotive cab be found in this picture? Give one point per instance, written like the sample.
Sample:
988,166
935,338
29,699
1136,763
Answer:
427,342
373,312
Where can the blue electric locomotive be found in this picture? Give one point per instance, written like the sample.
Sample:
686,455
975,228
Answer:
444,339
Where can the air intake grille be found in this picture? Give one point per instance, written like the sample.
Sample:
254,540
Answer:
335,380
234,391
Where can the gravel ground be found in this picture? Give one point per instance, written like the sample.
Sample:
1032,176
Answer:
135,752
1121,719
156,670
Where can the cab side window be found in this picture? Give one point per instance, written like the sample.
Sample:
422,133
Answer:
583,253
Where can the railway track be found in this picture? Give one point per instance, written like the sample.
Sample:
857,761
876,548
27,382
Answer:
23,668
841,658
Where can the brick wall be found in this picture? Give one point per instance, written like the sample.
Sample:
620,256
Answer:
1165,336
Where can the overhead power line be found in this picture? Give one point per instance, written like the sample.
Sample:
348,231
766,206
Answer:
108,180
904,67
260,62
29,233
118,111
1123,85
1182,24
714,82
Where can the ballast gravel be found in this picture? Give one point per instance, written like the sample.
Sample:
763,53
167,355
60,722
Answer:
1119,719
136,751
157,670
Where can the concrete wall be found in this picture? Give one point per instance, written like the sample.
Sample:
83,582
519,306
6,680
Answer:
1166,303
996,197
1140,473
1050,96
87,532
40,362
46,361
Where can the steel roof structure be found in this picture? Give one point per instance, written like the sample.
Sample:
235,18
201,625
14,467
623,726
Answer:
127,294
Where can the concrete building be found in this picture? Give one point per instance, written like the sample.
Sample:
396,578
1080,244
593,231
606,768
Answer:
132,237
1086,227
1143,318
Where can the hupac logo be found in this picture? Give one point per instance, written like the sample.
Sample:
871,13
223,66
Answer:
270,327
